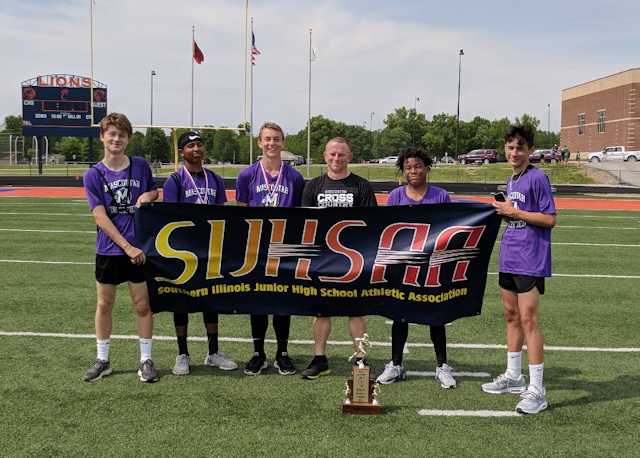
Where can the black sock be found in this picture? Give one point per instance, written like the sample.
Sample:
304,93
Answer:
259,324
182,345
212,340
439,339
211,325
181,321
281,325
399,334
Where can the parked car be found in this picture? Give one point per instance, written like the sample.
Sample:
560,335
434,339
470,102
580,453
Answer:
614,153
538,155
388,160
484,156
551,156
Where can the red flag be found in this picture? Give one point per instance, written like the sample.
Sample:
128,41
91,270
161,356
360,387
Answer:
198,56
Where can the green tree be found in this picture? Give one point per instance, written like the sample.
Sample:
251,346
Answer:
136,144
156,145
225,146
407,119
391,142
13,124
73,148
440,136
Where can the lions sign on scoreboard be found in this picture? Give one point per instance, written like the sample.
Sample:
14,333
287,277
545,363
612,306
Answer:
59,105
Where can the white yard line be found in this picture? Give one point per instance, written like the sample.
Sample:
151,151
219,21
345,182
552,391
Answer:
595,244
597,227
455,374
52,231
311,342
467,413
27,261
47,214
564,215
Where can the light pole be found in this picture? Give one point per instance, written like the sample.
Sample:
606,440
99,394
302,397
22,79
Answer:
460,54
371,130
415,104
548,118
153,73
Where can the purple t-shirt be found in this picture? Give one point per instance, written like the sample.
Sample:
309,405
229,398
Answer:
434,195
526,249
285,191
125,188
207,189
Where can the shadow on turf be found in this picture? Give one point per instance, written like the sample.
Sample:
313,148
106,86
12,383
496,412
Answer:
609,390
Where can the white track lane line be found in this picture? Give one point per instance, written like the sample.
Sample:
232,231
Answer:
86,215
467,413
311,342
52,231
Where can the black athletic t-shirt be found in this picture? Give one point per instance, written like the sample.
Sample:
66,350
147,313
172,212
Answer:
352,191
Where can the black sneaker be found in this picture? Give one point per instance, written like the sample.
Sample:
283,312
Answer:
98,369
147,372
256,364
318,367
284,364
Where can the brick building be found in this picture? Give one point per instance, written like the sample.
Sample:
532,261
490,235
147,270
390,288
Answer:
602,112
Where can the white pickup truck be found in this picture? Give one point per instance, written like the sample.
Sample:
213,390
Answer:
614,153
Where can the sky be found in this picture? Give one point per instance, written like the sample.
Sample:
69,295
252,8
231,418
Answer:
371,56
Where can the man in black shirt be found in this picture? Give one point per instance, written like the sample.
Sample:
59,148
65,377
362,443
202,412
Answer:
337,188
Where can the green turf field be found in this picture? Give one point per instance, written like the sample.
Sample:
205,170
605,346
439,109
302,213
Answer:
48,411
447,173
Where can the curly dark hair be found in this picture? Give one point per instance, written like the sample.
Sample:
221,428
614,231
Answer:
523,133
416,152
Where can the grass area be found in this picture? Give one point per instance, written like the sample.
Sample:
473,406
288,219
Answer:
452,173
48,410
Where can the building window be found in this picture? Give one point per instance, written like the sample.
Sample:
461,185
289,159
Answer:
601,121
581,124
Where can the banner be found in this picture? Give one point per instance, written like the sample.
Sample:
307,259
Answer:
422,264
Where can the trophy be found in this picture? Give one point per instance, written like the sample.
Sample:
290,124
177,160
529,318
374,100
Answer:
361,390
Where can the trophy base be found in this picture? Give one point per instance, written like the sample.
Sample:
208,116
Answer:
362,409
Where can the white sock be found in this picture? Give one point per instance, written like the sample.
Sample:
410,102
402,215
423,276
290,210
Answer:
514,364
536,372
103,349
145,349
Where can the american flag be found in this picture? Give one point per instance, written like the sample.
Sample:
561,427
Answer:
254,51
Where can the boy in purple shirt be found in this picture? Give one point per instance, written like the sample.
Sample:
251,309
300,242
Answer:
525,260
114,187
270,182
194,184
415,165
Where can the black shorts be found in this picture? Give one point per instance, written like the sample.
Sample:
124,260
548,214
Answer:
113,270
520,283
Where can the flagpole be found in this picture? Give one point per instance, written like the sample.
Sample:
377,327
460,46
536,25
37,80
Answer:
246,56
193,49
309,109
251,105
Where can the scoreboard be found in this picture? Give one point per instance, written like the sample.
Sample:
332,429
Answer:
60,106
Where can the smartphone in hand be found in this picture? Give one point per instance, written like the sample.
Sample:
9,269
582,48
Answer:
500,197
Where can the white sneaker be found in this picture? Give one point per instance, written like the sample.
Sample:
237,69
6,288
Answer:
391,374
504,384
220,361
532,401
182,365
444,377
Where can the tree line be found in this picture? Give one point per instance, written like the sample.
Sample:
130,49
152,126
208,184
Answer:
403,127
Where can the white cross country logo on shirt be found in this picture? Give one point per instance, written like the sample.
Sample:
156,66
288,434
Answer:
122,196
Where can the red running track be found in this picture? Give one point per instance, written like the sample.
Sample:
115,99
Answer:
564,203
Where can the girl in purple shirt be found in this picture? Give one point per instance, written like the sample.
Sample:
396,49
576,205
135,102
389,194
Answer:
415,164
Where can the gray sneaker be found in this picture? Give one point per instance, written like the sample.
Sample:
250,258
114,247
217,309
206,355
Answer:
147,372
444,377
391,374
219,360
182,365
532,401
98,369
503,384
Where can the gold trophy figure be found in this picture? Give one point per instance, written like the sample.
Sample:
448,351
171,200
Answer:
361,390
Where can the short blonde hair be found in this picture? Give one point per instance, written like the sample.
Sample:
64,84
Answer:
272,126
